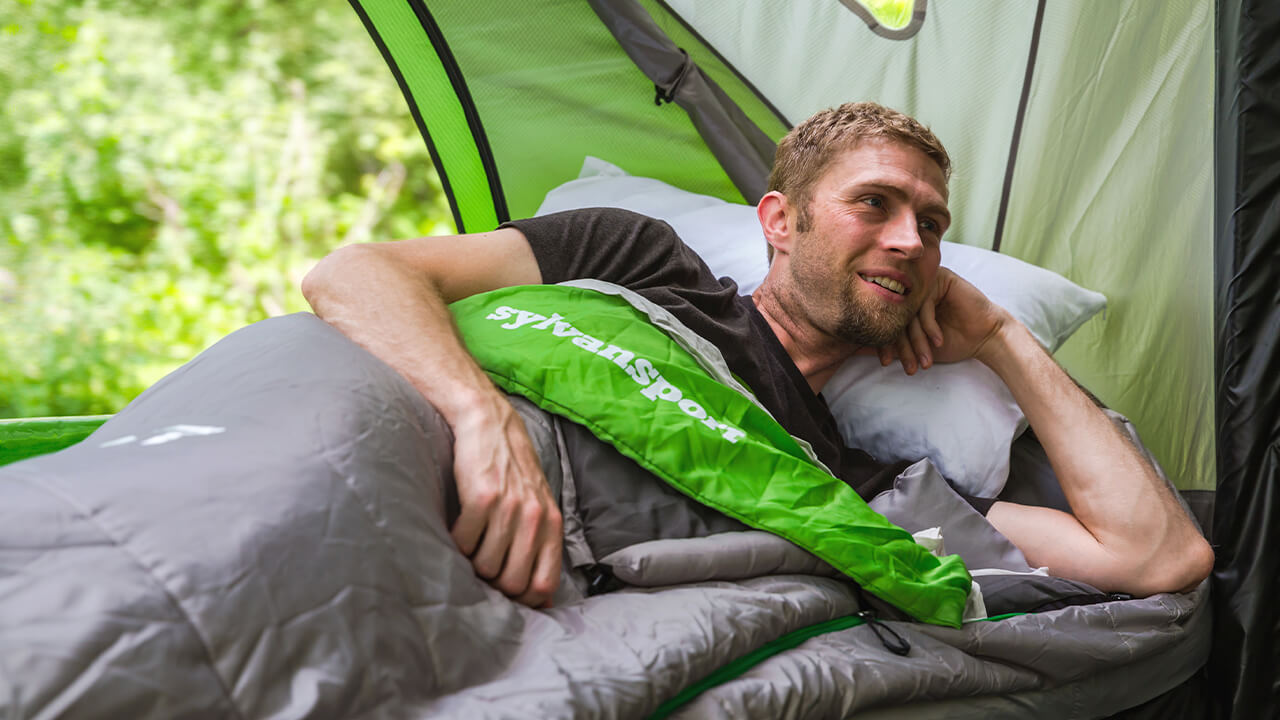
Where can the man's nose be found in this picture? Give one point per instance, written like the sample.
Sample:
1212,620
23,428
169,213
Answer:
903,235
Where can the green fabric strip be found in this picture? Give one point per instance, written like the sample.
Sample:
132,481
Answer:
791,640
736,668
1005,616
24,438
433,94
599,362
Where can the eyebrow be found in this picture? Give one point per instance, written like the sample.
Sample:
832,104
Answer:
937,208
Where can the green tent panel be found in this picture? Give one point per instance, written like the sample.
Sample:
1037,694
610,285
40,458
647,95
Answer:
494,89
1114,188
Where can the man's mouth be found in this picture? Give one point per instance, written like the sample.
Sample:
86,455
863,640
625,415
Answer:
887,283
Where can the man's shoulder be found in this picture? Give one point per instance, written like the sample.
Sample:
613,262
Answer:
609,243
607,215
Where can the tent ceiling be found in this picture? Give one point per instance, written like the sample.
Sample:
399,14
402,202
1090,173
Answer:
962,75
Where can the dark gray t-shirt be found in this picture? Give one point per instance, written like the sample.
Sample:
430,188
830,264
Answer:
646,255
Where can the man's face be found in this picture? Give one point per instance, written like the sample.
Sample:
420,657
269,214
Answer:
871,249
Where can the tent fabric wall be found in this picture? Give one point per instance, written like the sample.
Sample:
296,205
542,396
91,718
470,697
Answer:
1245,661
741,148
961,74
510,103
549,98
1113,174
1113,188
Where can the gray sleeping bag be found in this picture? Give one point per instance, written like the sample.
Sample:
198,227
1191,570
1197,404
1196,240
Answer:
264,534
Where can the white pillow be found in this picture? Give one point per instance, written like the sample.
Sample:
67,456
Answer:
725,235
961,416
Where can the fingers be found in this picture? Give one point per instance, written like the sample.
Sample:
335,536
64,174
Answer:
887,354
911,348
508,525
919,343
470,524
928,318
906,354
546,570
492,556
519,553
534,531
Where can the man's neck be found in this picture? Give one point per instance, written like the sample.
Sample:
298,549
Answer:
816,354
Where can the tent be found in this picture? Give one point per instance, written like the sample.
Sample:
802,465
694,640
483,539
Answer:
1084,140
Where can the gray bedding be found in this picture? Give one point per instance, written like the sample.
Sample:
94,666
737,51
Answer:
264,534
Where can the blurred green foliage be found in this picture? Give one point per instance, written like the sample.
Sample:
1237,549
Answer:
169,172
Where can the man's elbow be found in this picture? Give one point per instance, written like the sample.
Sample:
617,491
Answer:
1198,563
1180,568
326,276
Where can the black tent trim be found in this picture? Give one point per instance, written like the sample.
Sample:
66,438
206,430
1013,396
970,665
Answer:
1017,125
413,109
454,73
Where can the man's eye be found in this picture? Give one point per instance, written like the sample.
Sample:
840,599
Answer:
928,225
874,201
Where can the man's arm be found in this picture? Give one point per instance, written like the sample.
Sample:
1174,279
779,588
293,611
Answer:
391,298
1128,532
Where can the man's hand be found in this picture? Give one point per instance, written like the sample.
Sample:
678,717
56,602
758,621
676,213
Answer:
1101,472
955,322
391,299
509,524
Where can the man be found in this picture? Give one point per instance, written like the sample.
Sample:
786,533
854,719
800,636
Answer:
855,213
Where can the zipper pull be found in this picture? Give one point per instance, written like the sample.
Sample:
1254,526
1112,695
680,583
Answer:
600,580
892,641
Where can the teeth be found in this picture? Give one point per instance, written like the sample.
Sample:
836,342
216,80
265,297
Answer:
887,283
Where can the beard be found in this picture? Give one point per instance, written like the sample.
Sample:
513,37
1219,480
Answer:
863,320
836,301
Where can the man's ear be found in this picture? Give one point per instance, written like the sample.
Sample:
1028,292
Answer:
774,212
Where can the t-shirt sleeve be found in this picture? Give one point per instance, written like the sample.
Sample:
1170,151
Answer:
612,244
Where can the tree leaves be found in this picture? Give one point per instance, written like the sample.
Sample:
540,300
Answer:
169,171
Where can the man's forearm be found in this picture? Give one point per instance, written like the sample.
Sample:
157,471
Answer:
390,299
1084,445
1144,540
401,318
